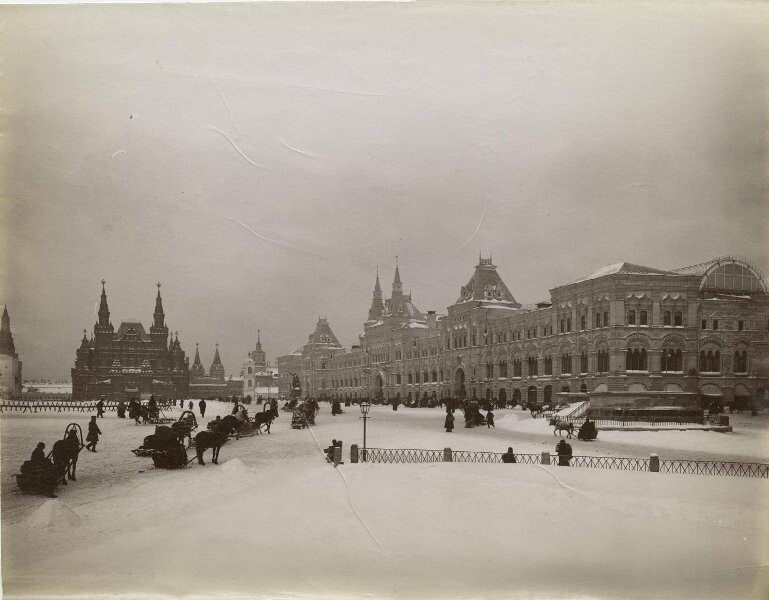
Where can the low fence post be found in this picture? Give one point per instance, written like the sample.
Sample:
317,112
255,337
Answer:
337,455
545,460
354,453
447,456
654,463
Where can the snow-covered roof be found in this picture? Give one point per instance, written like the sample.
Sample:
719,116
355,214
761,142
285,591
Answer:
486,285
623,268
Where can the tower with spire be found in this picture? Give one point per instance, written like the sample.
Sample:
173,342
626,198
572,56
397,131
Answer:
197,370
10,365
259,379
217,368
377,305
129,362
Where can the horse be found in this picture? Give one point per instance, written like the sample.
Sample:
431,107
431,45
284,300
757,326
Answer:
64,454
560,426
265,418
210,439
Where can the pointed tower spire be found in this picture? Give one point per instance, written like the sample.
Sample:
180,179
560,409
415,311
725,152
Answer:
197,369
103,307
397,285
217,368
7,347
159,314
377,306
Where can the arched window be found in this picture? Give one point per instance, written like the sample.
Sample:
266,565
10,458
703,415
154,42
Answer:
606,318
671,360
517,370
548,396
548,365
636,359
583,322
566,363
410,378
740,361
568,324
678,318
631,317
597,319
563,326
643,318
666,320
603,361
583,362
502,368
435,376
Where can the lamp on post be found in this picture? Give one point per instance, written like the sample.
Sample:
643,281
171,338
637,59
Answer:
365,406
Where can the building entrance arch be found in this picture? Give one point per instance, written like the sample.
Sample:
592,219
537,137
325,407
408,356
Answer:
378,387
531,394
459,384
502,398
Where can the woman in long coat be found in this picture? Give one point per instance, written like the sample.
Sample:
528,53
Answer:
93,435
449,423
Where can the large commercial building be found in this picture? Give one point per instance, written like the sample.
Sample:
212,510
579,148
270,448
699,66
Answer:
702,328
130,362
10,365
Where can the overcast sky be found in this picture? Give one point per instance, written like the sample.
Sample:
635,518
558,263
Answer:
261,161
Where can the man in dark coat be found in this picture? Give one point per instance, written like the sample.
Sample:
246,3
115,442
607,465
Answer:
563,450
93,435
121,410
508,457
39,461
189,407
489,419
100,407
202,407
134,410
449,423
38,458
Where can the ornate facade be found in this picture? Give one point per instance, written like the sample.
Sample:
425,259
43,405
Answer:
211,384
10,365
703,328
259,379
130,362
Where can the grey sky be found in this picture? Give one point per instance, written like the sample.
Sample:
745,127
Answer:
260,161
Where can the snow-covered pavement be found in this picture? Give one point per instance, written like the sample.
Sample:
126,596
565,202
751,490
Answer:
273,520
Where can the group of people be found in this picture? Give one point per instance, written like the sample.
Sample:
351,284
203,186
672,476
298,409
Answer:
329,452
473,416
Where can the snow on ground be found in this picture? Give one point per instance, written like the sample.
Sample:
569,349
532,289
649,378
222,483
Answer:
274,520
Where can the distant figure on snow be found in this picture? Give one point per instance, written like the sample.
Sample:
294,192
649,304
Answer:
188,407
563,450
121,410
489,420
449,423
93,435
202,407
100,407
508,457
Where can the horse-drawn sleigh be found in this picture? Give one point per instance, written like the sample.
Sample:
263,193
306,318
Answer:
45,475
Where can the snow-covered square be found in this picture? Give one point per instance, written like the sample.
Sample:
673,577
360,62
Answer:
275,520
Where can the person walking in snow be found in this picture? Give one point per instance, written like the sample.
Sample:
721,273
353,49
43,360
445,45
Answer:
202,407
100,407
93,435
189,407
449,422
489,420
563,450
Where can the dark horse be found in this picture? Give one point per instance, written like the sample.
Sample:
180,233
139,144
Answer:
65,453
209,439
265,418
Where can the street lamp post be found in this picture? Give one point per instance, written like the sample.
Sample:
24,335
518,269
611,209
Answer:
365,406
